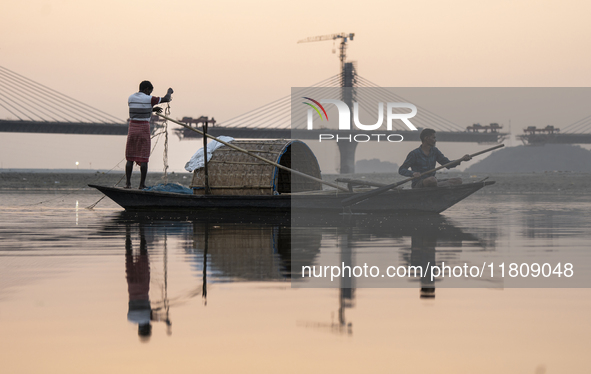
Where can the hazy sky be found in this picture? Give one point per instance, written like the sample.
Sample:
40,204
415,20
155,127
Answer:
224,58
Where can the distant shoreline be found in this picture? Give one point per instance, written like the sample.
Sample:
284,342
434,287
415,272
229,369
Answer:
73,171
39,180
58,179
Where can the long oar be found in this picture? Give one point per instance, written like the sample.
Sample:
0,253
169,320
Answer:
356,199
256,156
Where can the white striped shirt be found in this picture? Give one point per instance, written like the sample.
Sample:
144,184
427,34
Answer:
140,106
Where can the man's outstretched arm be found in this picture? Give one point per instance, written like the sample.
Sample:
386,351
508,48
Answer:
168,97
442,160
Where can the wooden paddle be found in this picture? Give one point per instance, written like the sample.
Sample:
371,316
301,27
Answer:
359,198
256,156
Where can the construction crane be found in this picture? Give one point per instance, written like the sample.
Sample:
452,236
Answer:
345,38
348,94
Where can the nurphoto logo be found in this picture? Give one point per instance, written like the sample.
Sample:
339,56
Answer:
345,120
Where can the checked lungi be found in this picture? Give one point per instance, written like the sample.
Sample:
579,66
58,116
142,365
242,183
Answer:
138,141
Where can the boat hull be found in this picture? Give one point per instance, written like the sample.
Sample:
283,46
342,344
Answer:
425,200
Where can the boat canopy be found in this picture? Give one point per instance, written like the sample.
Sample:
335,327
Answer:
232,172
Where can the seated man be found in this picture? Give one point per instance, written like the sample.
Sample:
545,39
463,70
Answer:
423,159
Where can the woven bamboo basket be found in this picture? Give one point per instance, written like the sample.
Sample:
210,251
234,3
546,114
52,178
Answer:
235,173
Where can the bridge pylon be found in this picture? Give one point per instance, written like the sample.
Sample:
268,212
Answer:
347,153
348,95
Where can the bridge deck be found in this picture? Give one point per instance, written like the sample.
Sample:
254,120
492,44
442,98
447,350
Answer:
555,138
64,127
252,133
241,133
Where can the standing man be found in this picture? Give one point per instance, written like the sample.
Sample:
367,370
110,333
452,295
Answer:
141,106
423,159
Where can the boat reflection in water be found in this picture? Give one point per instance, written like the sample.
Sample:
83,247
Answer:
222,247
218,247
419,241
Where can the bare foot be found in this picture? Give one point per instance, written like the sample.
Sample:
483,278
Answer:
142,187
127,186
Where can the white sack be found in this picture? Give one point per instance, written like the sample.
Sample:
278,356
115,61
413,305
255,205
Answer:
196,162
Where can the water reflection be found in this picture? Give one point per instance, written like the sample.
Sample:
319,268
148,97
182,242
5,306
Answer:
241,252
221,247
58,279
346,289
422,253
550,223
230,246
381,241
137,271
435,240
257,247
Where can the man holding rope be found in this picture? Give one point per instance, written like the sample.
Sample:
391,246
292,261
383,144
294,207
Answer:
423,159
141,105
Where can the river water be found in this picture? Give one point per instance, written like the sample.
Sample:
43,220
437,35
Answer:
101,290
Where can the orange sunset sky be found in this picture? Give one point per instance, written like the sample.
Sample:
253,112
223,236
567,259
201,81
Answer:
225,58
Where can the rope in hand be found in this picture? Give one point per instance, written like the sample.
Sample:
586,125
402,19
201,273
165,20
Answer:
165,153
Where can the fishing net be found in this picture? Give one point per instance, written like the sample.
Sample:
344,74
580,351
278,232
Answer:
170,187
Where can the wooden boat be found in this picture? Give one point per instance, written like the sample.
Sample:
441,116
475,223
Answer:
288,178
425,200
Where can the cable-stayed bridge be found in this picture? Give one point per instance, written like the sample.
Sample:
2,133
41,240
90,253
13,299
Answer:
35,108
30,107
575,133
287,118
277,120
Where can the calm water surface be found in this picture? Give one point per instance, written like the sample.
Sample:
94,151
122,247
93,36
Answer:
104,291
